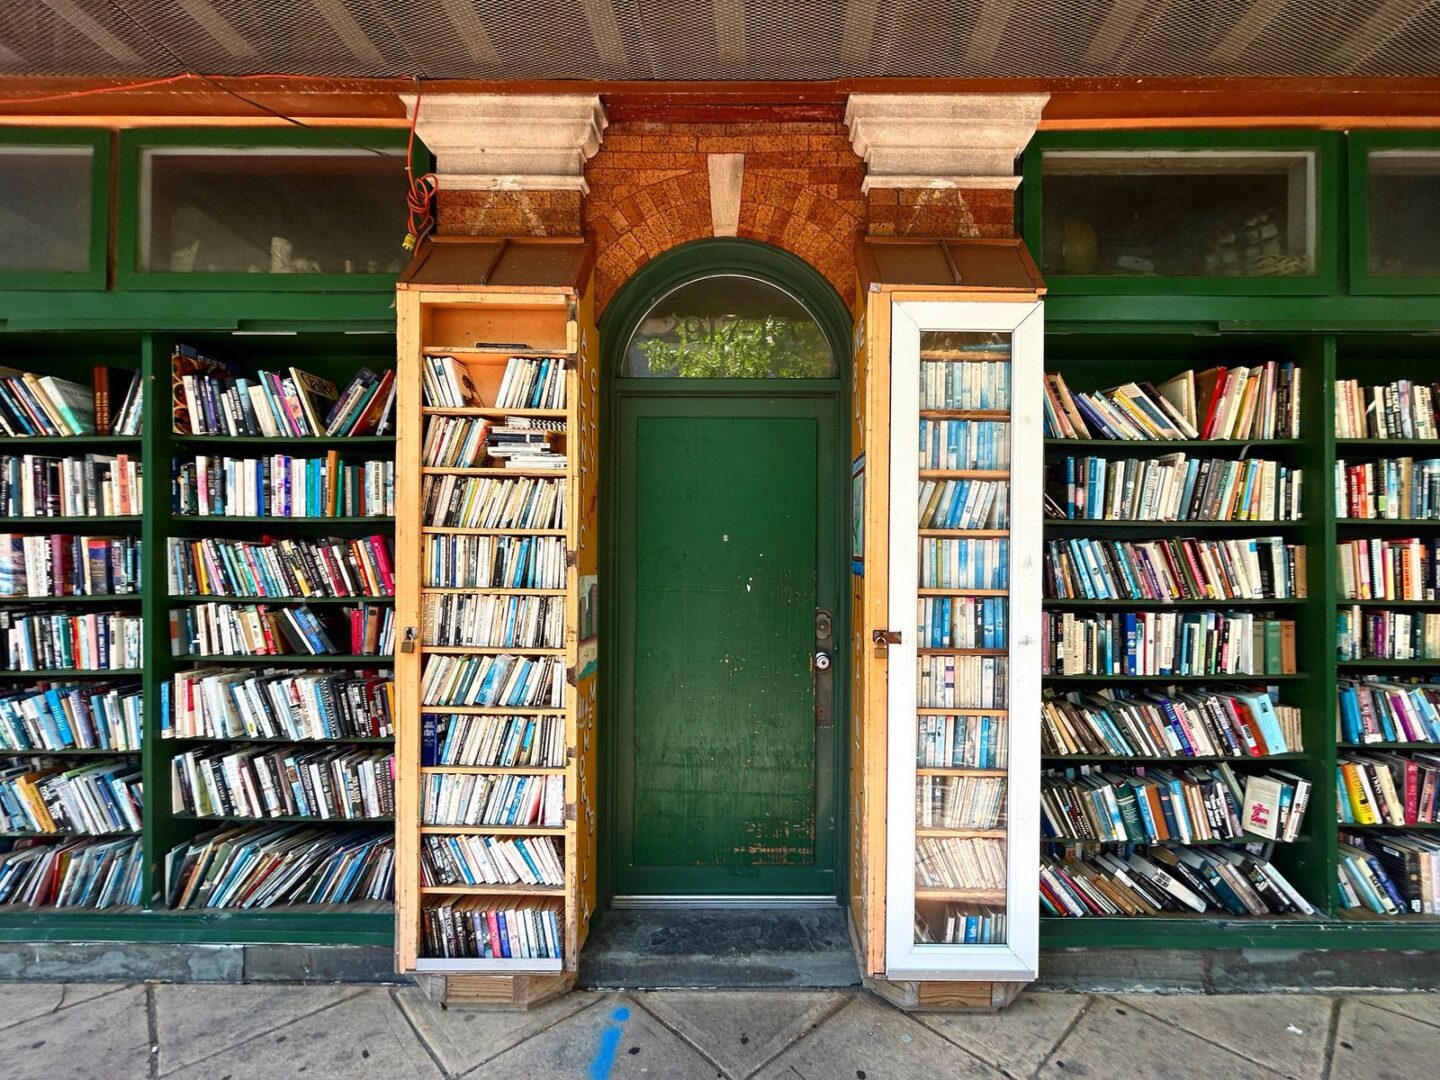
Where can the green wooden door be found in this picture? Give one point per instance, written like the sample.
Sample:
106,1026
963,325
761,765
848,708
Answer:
727,545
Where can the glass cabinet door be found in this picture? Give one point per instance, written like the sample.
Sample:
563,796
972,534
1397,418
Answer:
1402,228
1179,213
965,558
208,215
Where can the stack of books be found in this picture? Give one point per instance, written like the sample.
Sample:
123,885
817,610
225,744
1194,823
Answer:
1239,403
490,799
52,640
1169,724
1390,489
1395,874
491,621
486,502
1172,488
246,703
1189,805
88,716
69,565
491,860
79,873
261,867
96,485
1167,643
45,796
283,486
1151,881
1185,568
32,404
261,782
494,562
259,630
1379,634
504,681
476,929
1397,410
314,568
1389,710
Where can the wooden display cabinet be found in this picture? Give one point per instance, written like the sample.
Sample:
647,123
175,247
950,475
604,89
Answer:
482,302
947,623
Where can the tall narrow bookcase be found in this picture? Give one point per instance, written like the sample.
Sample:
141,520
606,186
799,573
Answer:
527,300
946,740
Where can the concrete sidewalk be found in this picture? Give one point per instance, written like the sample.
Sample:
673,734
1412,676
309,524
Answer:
116,1032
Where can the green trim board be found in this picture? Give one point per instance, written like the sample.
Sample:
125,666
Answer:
97,143
135,142
1324,209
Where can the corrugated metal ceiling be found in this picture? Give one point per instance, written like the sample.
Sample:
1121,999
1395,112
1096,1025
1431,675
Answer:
721,39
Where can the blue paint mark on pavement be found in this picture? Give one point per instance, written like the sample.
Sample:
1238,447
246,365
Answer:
609,1043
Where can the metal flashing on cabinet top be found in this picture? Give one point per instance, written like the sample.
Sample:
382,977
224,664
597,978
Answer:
887,264
542,263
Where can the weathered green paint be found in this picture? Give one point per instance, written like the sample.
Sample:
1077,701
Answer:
721,585
771,414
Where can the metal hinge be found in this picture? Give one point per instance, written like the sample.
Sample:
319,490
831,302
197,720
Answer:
569,811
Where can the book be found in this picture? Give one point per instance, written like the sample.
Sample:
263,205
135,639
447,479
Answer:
106,873
475,928
1165,643
263,866
92,485
1160,723
513,801
316,397
344,783
295,704
283,486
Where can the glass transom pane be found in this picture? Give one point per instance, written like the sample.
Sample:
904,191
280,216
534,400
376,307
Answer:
729,326
1179,213
271,211
45,208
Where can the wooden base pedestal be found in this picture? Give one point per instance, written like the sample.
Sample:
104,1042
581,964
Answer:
945,996
500,992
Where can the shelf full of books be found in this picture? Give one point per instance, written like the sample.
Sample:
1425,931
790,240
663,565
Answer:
496,561
964,561
1179,700
277,704
1387,632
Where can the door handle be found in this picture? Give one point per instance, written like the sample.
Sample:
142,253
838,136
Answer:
823,668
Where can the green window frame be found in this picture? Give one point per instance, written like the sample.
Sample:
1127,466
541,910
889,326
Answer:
1325,146
1360,146
133,144
97,142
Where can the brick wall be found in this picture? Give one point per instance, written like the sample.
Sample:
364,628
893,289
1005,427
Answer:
649,191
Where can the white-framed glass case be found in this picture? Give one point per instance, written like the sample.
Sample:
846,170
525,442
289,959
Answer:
964,677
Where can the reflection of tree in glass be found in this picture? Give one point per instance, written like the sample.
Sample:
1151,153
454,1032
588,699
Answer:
733,347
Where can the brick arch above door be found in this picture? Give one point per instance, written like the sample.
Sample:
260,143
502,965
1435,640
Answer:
650,192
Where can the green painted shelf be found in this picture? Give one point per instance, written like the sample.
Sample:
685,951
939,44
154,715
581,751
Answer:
1176,527
201,599
1342,602
101,598
1165,447
283,819
69,752
1165,680
1070,840
188,521
70,525
72,673
1387,523
338,741
1389,746
1051,602
1161,759
298,442
23,444
1388,664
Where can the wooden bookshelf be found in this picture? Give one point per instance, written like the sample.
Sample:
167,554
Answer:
555,314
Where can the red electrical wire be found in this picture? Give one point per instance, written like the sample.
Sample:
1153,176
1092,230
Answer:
420,218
